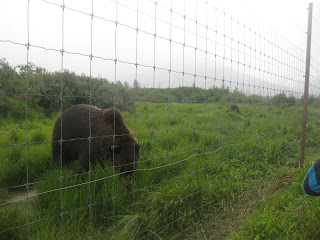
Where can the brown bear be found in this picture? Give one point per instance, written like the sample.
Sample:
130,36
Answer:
234,108
100,135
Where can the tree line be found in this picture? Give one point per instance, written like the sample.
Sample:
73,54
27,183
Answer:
52,91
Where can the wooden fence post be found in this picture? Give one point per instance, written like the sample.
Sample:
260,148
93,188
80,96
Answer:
306,87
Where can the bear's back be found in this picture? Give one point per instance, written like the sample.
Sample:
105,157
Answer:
75,122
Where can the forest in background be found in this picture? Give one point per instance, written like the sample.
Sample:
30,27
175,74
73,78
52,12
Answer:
53,91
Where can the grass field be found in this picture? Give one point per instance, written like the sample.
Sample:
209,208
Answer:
205,172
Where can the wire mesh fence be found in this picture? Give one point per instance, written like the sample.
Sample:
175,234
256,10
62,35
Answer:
212,105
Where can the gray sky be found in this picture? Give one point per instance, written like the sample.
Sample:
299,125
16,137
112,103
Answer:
276,20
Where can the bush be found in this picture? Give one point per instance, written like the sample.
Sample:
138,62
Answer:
278,99
11,108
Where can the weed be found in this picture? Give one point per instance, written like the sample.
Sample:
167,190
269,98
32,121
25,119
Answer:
13,223
14,136
38,136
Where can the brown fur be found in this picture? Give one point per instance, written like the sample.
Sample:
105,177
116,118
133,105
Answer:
234,108
111,140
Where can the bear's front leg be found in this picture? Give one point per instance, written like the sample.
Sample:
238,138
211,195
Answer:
85,159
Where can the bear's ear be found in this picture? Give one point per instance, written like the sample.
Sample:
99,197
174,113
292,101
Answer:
113,116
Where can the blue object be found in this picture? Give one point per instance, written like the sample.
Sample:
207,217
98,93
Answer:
311,182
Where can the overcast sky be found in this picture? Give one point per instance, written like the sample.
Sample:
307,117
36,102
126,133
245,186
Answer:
283,22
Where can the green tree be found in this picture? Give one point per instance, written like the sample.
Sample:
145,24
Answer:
279,99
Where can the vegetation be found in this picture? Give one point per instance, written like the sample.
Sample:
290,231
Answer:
202,166
53,91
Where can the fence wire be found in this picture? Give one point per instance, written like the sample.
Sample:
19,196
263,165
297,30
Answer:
212,101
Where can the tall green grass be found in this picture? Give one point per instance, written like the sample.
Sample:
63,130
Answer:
194,159
289,214
25,155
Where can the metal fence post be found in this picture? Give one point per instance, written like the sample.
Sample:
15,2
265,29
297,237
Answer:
306,87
